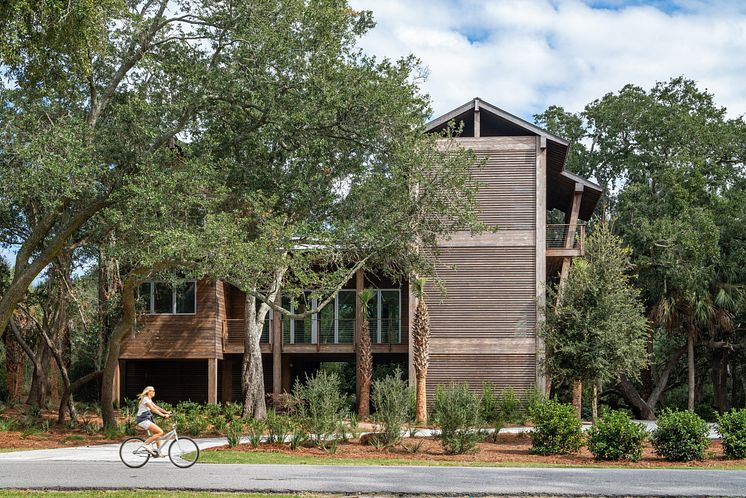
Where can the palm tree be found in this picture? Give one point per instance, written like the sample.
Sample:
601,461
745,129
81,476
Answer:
421,350
365,366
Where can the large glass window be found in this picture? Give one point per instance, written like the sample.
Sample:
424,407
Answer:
164,298
298,331
326,324
389,323
345,316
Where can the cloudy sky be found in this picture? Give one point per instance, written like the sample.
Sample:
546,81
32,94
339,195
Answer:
523,55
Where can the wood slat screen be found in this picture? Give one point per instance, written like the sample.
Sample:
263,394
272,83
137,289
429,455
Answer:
507,188
490,292
499,369
174,380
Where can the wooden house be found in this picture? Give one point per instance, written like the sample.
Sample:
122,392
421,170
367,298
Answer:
483,328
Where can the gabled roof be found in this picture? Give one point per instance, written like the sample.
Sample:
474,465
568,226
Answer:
512,121
494,121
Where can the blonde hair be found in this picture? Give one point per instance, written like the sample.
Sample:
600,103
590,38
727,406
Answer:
144,393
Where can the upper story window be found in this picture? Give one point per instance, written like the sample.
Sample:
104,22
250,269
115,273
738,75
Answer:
170,299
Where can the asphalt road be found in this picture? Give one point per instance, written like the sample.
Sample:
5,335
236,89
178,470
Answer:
50,474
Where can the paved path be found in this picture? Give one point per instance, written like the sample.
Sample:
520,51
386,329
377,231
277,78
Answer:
370,480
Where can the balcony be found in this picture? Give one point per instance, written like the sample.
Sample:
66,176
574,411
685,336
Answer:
233,336
564,241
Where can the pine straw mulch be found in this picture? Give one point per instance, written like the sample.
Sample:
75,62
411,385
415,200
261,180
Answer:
509,448
58,436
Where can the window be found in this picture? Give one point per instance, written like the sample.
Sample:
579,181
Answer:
165,298
335,323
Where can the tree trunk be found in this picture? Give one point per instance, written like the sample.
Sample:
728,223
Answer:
70,389
645,408
421,397
366,371
125,326
14,367
252,370
40,385
690,366
252,373
577,397
594,402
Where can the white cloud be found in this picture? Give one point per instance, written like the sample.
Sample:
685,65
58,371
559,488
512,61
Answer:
524,55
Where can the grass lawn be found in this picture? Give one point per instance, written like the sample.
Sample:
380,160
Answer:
150,493
268,458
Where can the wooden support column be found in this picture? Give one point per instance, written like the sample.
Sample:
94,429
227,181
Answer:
227,388
116,389
212,381
410,343
541,249
572,223
359,283
477,120
277,351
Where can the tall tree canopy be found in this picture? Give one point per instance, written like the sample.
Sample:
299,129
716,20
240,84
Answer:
669,159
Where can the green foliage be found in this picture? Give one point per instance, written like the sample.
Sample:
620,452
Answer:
732,428
391,399
533,399
680,436
113,432
234,432
219,423
615,437
255,431
8,424
323,407
488,404
232,410
194,423
279,427
557,429
509,406
457,415
597,329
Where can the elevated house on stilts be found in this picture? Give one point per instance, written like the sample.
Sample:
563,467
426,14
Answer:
483,329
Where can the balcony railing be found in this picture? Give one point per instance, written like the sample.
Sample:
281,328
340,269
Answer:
233,333
562,238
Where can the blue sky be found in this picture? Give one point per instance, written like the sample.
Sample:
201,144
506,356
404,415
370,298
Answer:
523,55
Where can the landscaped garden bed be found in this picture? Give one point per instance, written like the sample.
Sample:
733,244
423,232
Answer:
508,450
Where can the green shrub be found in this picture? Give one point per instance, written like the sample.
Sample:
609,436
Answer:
557,429
255,430
323,407
234,432
8,425
219,424
212,411
533,398
457,414
195,424
189,407
706,411
615,437
488,404
732,427
390,399
681,436
232,410
113,432
509,406
278,427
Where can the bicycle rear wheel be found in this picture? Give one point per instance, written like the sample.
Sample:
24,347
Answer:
183,452
133,453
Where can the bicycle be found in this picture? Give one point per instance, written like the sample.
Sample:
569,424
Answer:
182,451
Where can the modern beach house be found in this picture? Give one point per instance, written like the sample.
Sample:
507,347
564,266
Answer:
190,341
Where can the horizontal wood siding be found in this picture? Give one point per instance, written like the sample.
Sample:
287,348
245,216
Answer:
499,369
507,188
174,380
178,336
483,327
489,293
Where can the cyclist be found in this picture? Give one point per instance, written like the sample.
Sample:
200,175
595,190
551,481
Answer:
145,421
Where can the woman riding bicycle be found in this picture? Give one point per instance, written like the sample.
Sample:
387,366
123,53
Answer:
145,421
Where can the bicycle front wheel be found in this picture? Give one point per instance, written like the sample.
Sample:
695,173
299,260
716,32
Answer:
183,452
133,452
